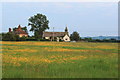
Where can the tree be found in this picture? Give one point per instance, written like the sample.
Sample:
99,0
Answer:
24,29
38,23
9,37
17,37
88,39
14,29
75,36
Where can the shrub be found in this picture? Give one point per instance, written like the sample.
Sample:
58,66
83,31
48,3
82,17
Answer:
31,39
8,37
22,38
12,37
43,40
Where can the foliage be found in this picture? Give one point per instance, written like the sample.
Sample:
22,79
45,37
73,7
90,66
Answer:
38,23
22,38
1,34
10,36
31,39
75,36
88,39
99,40
17,38
43,40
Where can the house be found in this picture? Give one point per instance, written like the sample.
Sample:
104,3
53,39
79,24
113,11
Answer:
19,32
58,36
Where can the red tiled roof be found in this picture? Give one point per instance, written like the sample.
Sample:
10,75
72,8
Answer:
20,31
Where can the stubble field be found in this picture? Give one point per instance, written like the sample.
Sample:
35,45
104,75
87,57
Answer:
59,60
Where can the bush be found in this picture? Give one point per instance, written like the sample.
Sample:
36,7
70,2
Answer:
8,37
31,39
43,40
61,40
12,37
22,38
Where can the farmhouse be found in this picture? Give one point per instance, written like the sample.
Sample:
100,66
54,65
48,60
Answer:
19,32
58,36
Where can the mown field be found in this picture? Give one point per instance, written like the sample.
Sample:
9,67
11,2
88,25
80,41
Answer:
59,60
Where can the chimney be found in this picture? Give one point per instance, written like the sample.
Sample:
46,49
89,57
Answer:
10,30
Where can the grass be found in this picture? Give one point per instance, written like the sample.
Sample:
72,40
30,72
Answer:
59,60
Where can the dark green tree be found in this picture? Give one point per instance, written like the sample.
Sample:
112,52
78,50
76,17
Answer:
38,23
14,29
17,37
75,36
1,34
88,39
25,29
9,37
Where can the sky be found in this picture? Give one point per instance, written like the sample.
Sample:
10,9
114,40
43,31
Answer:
87,18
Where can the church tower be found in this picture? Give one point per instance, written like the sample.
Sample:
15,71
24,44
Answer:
66,30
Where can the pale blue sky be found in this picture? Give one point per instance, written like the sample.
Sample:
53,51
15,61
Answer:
87,18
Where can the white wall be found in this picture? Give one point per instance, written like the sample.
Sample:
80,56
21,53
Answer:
66,38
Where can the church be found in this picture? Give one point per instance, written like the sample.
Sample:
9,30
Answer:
57,36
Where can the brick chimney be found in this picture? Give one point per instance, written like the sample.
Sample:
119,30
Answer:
10,30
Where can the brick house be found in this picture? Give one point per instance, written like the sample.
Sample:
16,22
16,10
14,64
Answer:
19,32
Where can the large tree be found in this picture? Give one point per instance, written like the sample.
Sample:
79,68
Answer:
38,23
75,36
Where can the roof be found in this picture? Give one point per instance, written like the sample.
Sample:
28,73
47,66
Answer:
56,34
19,31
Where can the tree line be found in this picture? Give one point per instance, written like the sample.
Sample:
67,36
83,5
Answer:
75,37
38,24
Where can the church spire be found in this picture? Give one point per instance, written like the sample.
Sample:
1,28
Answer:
66,29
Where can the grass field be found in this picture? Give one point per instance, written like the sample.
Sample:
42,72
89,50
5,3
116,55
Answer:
59,60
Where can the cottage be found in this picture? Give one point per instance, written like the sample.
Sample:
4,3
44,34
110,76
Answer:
58,36
19,32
